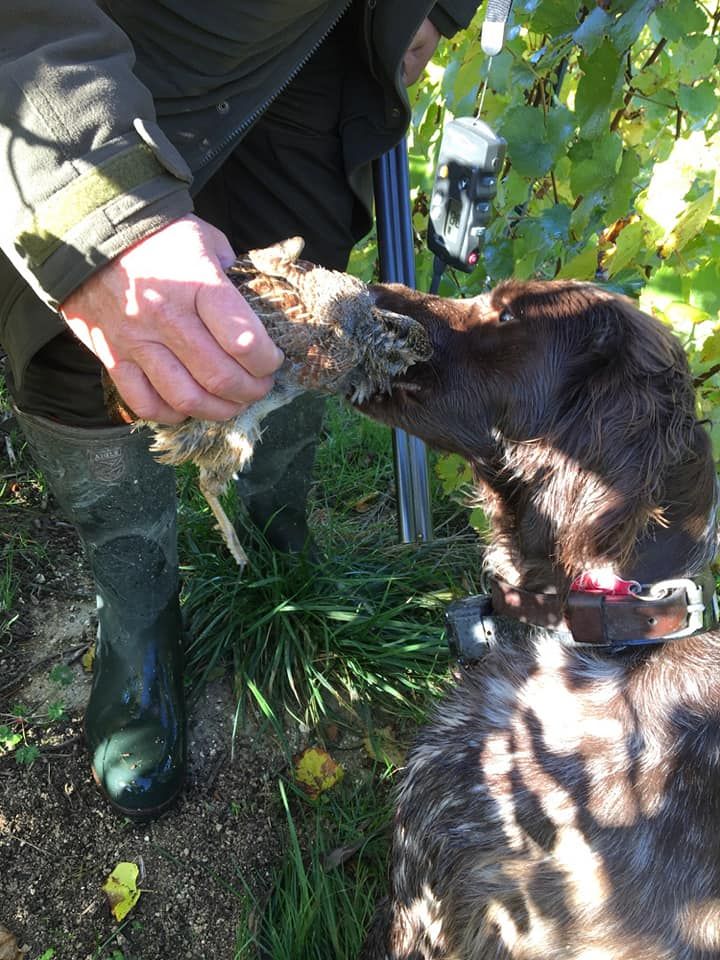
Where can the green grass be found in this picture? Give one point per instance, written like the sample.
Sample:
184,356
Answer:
357,639
324,896
360,631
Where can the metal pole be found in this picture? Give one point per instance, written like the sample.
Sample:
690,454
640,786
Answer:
397,265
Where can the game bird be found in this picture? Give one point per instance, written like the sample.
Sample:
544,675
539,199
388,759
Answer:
336,340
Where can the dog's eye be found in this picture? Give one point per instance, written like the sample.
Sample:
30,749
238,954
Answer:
506,315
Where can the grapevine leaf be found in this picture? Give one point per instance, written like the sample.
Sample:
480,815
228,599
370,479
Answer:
689,223
626,248
593,29
679,18
599,90
534,145
583,266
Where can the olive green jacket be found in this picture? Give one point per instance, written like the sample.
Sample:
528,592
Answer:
112,113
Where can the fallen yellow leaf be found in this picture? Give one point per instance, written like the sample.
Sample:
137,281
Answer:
121,889
364,503
316,771
382,746
88,658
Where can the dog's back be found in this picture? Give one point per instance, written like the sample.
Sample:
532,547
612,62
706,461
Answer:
564,801
562,805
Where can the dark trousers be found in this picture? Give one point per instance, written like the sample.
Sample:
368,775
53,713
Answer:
285,178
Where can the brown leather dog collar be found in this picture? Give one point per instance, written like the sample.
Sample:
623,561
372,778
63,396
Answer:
678,607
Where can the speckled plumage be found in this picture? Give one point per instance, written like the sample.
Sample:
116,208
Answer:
335,340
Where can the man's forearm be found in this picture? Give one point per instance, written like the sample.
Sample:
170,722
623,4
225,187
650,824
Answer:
84,170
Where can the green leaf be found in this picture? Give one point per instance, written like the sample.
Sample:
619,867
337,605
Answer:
599,90
61,674
554,16
454,472
121,889
594,163
513,190
27,755
627,29
678,18
583,266
700,103
594,28
694,58
535,144
56,711
689,223
626,248
704,287
620,189
479,521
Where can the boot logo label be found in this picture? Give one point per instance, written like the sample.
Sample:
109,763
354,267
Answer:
107,464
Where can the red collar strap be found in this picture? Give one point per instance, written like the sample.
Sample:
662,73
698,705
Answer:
624,614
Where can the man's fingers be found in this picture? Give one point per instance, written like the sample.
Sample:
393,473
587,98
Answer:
233,324
140,395
221,247
173,383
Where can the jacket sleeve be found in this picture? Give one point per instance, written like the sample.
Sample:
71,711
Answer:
84,169
452,15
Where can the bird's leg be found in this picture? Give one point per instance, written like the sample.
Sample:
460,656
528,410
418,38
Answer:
226,528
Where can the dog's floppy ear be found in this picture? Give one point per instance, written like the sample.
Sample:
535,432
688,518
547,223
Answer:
609,331
626,419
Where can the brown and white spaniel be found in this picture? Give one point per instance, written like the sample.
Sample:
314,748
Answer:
564,800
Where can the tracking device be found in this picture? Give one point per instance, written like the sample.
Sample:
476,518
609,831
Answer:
469,163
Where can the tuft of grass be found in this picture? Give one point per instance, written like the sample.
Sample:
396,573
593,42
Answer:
8,585
361,630
313,638
322,902
357,636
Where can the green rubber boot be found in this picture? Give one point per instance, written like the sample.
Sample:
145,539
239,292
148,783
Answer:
122,503
276,485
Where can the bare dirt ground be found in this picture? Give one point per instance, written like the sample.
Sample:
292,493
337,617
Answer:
58,839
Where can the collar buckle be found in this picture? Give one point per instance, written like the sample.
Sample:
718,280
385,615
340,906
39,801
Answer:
694,599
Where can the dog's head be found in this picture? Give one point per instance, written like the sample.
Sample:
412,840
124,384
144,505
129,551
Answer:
565,398
517,363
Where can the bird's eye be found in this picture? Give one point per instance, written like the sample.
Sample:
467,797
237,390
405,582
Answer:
506,315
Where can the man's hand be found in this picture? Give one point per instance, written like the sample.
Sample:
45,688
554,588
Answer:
422,47
175,335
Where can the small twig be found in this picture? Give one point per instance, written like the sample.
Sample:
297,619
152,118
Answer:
707,375
45,748
68,657
12,836
9,450
209,779
659,47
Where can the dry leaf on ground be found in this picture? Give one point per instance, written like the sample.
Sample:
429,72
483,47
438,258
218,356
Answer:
382,746
121,889
316,771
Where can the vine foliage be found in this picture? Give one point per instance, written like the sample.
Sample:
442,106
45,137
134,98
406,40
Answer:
610,112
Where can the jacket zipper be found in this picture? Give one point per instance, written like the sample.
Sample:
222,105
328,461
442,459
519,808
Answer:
248,121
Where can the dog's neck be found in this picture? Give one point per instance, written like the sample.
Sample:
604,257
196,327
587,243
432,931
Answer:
548,526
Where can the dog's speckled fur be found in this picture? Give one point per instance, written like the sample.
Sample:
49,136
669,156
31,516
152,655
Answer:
563,803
